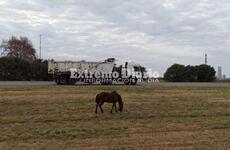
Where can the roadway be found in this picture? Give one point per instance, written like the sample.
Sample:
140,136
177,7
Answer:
162,84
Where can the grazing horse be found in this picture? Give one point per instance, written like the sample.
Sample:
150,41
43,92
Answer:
113,97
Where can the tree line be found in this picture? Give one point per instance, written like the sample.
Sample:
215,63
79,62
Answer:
181,73
18,61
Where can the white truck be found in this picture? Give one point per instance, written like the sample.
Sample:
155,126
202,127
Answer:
105,72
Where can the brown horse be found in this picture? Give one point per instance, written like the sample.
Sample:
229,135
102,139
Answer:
113,97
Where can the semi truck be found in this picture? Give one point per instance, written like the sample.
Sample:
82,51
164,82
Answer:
103,72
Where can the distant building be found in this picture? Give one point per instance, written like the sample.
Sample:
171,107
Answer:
219,73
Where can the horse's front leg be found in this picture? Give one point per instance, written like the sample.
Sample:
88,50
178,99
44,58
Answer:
112,108
115,107
101,107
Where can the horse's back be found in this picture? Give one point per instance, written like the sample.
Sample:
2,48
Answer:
100,96
106,97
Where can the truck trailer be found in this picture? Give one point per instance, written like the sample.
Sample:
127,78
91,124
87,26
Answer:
103,72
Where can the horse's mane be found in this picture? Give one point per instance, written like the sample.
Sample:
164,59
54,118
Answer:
119,96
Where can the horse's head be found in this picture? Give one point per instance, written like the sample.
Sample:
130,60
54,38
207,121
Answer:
121,103
121,106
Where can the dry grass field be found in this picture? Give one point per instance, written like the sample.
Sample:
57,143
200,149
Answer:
153,118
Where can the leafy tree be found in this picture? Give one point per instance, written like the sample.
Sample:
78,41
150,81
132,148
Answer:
190,74
19,47
205,73
19,61
181,73
175,73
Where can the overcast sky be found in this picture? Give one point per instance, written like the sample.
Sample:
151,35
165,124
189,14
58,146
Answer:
154,33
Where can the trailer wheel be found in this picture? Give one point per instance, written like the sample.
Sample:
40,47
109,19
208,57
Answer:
72,81
134,81
62,81
109,83
57,81
126,82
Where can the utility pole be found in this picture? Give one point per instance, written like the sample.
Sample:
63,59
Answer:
206,59
40,46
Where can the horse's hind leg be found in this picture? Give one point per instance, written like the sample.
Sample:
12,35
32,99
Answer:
101,107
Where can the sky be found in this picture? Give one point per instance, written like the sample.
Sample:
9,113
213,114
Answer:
153,33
